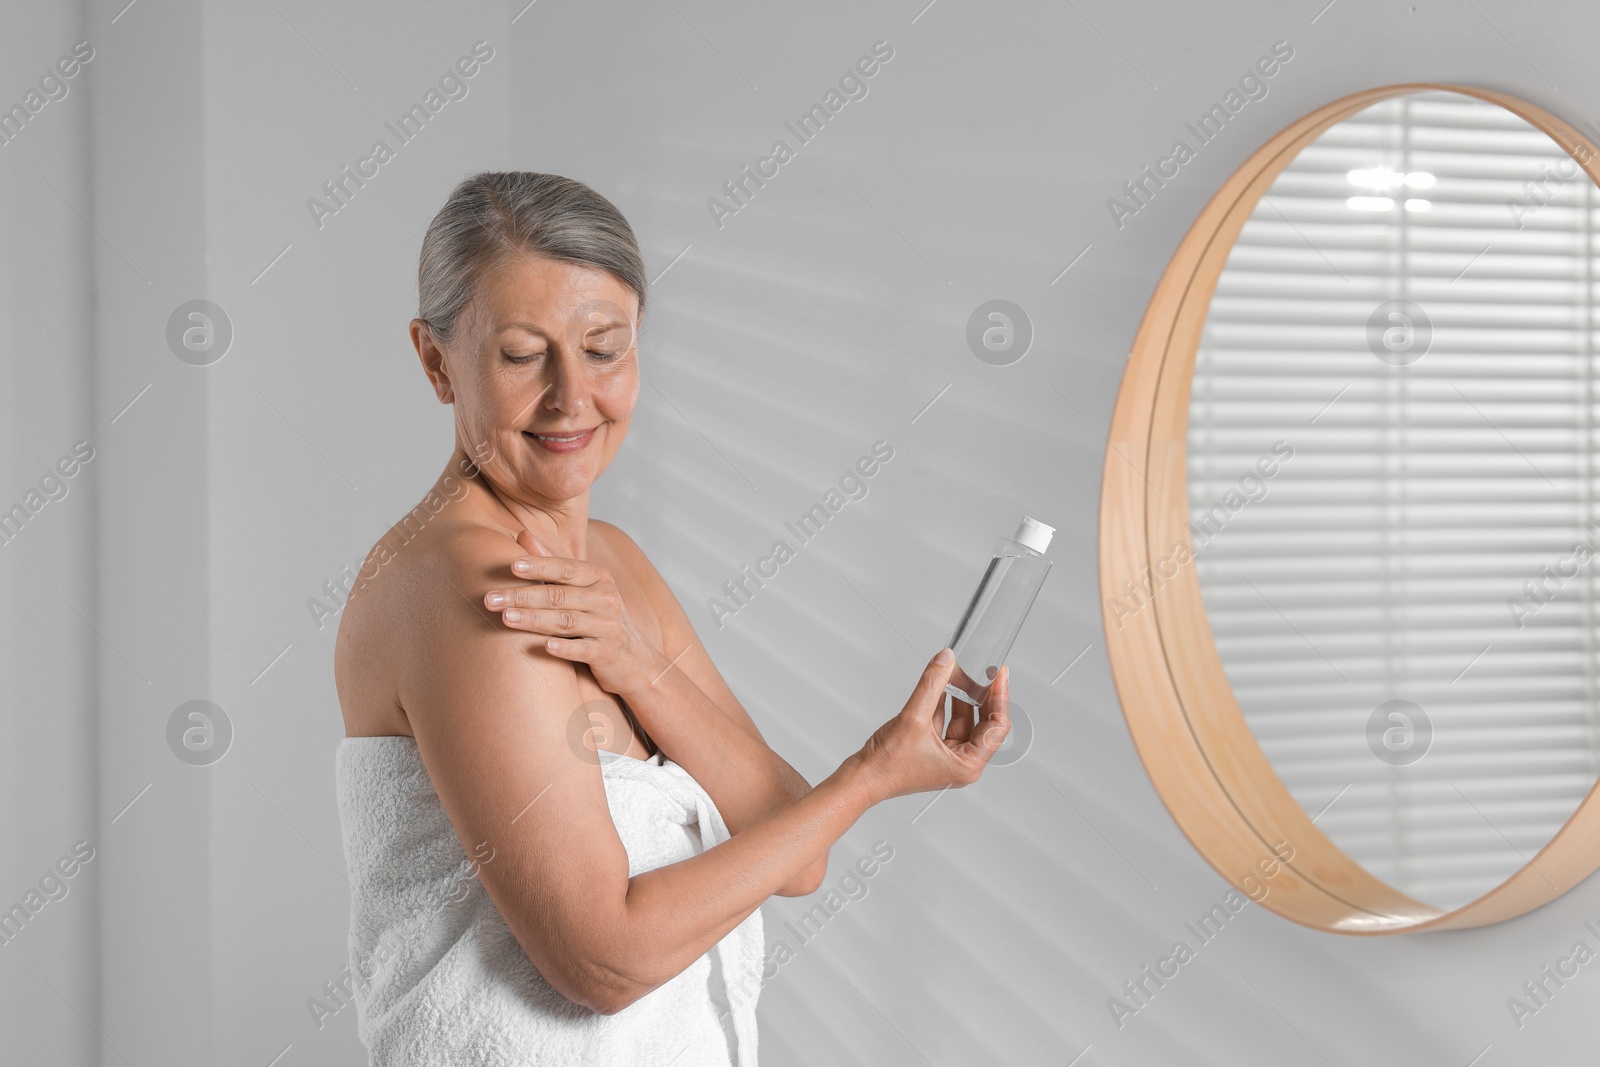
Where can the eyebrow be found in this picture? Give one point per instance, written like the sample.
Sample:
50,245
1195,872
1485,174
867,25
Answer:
533,327
530,327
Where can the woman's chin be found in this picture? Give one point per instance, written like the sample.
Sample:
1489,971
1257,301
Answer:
561,480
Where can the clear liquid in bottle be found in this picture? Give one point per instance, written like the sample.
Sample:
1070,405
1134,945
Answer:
994,616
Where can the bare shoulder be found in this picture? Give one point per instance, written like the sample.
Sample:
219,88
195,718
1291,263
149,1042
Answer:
417,599
678,636
622,552
614,536
675,631
625,551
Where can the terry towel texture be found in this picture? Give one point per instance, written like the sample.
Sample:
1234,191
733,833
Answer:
439,978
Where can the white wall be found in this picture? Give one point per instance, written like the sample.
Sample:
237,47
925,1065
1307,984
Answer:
824,316
49,785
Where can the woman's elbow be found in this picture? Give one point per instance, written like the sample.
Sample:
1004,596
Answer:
600,990
590,979
607,989
610,990
807,881
608,1004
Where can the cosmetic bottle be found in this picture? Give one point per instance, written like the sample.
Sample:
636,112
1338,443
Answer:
994,616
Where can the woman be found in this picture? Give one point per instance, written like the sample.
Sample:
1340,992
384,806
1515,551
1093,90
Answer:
560,823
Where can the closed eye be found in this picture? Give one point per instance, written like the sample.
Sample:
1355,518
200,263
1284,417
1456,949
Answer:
602,357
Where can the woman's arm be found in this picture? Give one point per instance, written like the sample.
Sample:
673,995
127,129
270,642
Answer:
694,716
745,779
490,710
673,688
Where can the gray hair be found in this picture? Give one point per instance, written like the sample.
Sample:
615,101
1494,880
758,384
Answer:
495,214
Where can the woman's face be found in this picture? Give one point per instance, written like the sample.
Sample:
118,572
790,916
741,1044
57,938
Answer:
545,350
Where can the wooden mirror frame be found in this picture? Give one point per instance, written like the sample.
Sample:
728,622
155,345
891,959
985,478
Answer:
1189,731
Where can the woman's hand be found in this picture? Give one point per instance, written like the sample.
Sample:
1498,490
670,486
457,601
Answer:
907,754
577,603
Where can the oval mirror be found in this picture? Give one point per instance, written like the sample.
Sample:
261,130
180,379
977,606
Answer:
1350,511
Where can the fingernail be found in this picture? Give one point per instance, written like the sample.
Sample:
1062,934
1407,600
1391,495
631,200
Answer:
512,615
944,656
521,566
494,600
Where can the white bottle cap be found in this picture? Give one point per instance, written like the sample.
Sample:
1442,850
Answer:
1035,534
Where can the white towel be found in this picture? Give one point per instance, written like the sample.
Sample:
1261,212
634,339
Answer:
439,978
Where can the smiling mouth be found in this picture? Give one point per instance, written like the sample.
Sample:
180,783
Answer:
562,442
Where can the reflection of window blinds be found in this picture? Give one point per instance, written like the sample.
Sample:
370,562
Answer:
1377,563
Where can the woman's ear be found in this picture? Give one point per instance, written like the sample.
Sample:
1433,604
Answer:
432,357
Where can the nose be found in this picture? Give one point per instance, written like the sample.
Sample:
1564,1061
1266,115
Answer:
567,391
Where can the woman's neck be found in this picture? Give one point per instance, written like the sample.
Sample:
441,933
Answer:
561,527
562,532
